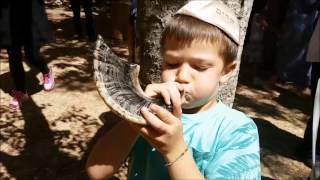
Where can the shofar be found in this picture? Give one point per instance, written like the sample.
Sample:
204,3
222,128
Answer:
118,84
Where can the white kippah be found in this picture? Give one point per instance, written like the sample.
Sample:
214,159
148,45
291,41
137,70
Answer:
216,13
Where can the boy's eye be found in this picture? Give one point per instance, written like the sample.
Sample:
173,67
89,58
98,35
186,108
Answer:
171,65
201,68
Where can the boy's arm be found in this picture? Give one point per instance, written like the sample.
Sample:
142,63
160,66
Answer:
110,151
184,168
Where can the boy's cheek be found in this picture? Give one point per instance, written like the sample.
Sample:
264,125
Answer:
167,77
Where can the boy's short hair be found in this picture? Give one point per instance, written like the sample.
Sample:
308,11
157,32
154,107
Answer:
188,26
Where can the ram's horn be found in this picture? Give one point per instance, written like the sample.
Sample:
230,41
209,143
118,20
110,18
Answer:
118,84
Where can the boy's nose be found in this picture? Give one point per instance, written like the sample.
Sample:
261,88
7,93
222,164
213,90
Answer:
183,74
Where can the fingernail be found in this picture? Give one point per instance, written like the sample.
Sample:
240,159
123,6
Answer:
151,106
144,109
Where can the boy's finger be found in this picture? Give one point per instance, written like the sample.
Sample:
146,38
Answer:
147,133
179,86
176,102
153,120
166,96
162,114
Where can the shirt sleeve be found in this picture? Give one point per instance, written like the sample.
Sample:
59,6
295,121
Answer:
237,155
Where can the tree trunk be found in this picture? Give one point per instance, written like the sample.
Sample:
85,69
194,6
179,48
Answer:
151,19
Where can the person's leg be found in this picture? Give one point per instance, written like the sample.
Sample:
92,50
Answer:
90,25
32,52
305,147
131,43
75,6
19,94
16,68
315,74
132,32
269,53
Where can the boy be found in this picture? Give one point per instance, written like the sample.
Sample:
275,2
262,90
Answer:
202,138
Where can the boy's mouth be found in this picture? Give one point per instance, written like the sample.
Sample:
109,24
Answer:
186,98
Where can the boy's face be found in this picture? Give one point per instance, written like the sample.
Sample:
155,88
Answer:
198,68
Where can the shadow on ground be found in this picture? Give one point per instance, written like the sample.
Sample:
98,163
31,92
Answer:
48,150
32,83
276,140
39,156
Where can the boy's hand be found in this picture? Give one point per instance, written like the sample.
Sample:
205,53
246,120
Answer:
170,92
163,131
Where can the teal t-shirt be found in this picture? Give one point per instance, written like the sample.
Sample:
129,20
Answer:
224,143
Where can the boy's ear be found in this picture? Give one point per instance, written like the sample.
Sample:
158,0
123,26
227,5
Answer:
228,71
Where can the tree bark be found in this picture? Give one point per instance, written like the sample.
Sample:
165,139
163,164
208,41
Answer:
151,21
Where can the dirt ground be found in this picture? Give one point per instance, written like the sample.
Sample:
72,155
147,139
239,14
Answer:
49,137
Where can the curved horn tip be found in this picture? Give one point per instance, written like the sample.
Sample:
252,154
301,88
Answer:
99,41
